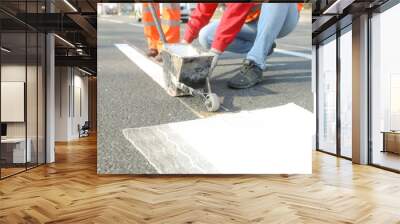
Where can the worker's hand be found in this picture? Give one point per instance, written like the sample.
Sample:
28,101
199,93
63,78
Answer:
216,53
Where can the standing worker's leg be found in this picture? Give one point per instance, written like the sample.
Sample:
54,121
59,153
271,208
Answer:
170,21
276,20
150,29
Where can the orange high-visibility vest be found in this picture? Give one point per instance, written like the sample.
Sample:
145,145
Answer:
170,22
255,12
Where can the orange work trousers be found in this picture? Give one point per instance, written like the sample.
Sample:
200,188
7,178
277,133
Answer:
170,21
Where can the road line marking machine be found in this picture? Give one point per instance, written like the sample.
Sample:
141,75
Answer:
186,69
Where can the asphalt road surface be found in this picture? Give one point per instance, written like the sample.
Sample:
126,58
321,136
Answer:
129,98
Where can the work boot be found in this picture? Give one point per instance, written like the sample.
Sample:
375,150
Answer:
152,52
249,75
272,49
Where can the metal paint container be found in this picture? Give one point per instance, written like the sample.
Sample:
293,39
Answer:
183,63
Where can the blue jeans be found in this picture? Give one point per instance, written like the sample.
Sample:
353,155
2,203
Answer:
256,38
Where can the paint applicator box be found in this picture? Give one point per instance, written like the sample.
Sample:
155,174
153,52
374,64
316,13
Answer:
185,64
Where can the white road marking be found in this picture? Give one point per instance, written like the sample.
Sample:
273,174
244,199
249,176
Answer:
122,22
293,53
112,20
295,46
150,68
136,24
248,142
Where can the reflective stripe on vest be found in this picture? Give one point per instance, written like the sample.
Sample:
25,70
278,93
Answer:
253,13
163,22
146,8
170,22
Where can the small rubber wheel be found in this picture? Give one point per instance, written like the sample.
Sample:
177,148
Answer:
212,102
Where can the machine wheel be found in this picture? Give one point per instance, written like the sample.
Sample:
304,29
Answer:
212,102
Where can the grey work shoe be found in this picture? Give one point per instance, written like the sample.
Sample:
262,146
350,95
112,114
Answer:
249,75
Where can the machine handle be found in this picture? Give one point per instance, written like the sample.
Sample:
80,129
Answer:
157,22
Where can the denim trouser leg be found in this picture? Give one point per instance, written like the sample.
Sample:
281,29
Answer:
276,20
241,44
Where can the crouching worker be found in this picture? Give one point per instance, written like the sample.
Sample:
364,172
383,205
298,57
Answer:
170,22
250,28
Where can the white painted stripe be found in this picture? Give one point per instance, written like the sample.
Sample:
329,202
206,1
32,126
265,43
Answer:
251,140
293,53
158,170
122,22
113,21
295,46
182,152
136,24
150,68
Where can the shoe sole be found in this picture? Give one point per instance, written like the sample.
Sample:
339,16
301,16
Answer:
246,86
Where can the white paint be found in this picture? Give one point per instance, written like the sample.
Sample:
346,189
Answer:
137,24
266,141
293,53
294,46
119,21
151,68
113,20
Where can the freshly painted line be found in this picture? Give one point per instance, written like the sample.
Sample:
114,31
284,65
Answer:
295,46
248,142
141,152
185,154
293,53
121,22
150,68
112,20
136,24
